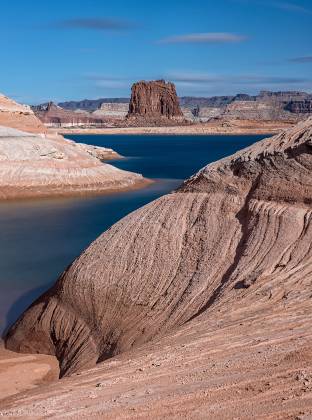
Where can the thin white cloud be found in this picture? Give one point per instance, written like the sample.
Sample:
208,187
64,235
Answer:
291,7
204,38
281,5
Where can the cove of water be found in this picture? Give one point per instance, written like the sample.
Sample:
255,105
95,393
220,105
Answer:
40,238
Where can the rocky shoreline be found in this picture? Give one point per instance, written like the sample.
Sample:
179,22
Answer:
229,127
199,302
37,163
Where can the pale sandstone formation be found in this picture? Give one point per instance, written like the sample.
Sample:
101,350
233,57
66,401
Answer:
19,116
112,111
216,277
37,165
34,163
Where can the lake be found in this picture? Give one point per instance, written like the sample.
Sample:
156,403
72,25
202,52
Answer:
40,238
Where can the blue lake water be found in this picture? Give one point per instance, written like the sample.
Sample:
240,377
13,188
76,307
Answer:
40,238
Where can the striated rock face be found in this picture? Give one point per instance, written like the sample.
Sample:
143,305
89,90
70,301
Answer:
19,116
54,116
112,111
91,105
154,101
300,107
233,243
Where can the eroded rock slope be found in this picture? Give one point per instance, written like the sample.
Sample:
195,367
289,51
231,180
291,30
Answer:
235,240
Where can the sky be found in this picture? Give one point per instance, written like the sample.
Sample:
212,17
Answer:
76,49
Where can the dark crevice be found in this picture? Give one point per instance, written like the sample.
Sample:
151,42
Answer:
242,216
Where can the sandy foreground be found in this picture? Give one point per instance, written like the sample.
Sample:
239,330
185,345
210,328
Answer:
228,127
22,372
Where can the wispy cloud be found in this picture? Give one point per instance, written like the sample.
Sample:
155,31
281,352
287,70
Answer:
204,38
291,7
282,5
301,60
95,24
202,78
108,82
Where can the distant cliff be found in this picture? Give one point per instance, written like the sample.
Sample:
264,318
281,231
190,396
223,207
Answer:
289,105
54,116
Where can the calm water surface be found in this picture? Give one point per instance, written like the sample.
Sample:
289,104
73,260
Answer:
40,238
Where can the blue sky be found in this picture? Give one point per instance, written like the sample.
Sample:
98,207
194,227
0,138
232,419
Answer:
78,49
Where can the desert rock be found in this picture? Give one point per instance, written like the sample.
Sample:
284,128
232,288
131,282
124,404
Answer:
154,102
183,256
19,116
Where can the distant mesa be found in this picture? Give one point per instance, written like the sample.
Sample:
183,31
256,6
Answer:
155,103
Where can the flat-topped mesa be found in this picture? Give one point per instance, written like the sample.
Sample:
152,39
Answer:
154,102
236,236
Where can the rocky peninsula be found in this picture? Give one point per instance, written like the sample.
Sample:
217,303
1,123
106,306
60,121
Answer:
199,302
35,163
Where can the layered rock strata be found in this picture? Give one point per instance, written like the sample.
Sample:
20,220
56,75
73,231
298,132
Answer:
37,164
154,102
234,240
52,115
19,116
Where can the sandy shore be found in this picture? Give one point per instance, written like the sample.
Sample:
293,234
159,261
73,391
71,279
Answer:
22,372
62,192
231,127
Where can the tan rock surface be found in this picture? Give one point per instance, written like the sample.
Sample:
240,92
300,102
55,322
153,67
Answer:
19,116
37,165
19,372
204,296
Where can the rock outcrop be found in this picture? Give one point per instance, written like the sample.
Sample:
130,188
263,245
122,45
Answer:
19,116
300,107
233,243
154,102
112,111
39,164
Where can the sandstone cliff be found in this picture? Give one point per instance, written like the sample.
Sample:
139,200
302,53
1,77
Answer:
154,102
19,116
112,111
52,115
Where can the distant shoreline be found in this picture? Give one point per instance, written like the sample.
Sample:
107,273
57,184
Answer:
235,128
